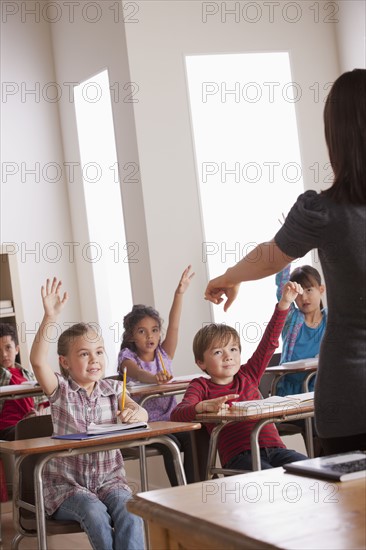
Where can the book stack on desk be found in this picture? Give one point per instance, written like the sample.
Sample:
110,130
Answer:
6,308
273,403
101,430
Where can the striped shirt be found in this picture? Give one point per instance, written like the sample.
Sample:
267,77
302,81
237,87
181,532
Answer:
235,438
72,411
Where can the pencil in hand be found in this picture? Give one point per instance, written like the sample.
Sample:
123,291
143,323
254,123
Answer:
123,398
162,363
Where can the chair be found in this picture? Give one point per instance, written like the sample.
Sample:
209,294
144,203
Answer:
24,519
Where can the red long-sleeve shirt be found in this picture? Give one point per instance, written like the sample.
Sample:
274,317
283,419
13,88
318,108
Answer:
235,438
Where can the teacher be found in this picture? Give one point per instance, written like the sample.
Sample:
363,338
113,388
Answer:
334,222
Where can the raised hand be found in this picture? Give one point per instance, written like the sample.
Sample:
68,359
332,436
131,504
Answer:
53,303
290,292
185,280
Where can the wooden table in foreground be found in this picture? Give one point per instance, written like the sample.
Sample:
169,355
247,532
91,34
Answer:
268,509
47,448
286,414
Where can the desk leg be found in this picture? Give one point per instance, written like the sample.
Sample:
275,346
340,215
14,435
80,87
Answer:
254,443
309,437
41,515
177,459
274,384
212,449
143,469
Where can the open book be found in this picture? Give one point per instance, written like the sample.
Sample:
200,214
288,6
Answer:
311,362
97,430
274,403
340,467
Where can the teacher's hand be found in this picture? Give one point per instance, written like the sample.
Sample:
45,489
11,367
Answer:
219,287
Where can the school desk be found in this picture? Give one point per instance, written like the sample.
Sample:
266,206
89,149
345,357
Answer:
150,391
19,391
13,391
47,448
267,510
279,371
226,416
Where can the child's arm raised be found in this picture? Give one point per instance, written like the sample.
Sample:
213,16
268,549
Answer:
171,338
53,305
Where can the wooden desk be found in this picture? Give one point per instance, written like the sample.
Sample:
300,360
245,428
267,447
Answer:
279,371
224,417
268,509
46,449
18,392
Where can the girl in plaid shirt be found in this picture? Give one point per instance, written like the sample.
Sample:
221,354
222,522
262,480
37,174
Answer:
91,488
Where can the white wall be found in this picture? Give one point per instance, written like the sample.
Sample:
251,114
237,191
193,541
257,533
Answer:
351,34
157,44
35,213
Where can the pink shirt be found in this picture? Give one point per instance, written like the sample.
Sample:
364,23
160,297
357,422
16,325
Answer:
72,411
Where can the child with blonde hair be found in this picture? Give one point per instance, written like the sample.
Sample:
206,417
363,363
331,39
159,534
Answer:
92,488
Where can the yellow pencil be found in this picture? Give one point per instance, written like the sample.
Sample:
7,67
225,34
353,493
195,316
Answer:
162,363
123,398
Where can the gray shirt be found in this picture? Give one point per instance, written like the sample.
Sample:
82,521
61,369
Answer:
338,231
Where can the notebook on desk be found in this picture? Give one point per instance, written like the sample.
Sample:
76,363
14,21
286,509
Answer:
273,403
339,467
101,430
310,362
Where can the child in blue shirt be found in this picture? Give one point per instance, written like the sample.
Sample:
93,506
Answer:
304,327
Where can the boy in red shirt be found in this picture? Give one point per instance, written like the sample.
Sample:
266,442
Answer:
217,352
11,372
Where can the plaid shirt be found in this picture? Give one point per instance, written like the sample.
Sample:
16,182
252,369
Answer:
72,411
5,378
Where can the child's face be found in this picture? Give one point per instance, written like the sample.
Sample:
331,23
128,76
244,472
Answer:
146,335
8,352
85,360
309,301
221,362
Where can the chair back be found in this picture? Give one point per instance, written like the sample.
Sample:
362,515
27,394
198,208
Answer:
29,428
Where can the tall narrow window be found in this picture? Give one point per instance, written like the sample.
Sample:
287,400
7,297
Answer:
248,168
108,249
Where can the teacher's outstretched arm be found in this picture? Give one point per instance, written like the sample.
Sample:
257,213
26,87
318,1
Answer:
265,260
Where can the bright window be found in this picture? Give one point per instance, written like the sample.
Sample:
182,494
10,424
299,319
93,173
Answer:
109,250
248,168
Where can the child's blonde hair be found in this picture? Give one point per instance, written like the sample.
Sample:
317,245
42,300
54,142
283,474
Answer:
67,338
213,335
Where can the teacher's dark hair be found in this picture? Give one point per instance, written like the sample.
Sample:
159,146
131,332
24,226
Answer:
345,134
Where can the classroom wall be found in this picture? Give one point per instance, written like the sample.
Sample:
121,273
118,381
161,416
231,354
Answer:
35,216
351,34
157,44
